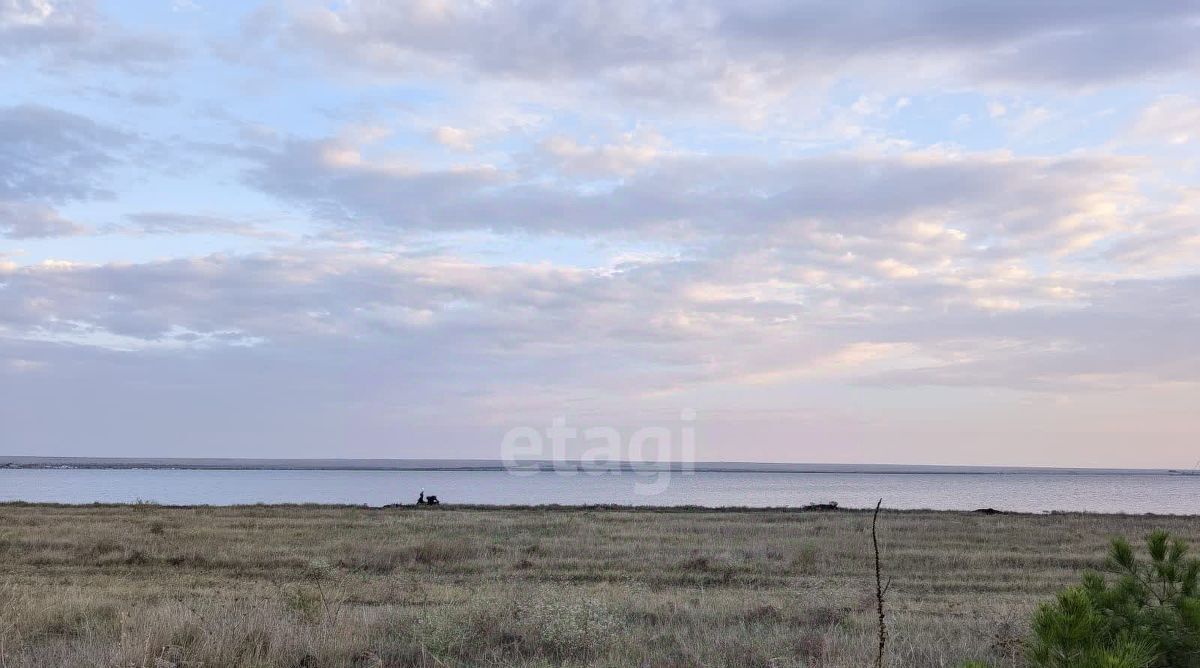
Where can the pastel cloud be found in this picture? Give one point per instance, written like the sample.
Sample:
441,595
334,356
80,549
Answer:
67,34
843,233
1065,203
731,52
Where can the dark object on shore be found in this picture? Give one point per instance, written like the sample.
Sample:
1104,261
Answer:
989,511
430,500
832,505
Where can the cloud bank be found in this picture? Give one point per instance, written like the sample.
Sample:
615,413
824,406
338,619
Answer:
932,233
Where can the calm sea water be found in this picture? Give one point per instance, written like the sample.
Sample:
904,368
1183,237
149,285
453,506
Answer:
1030,492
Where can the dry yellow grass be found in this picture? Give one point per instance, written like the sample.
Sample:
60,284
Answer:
293,586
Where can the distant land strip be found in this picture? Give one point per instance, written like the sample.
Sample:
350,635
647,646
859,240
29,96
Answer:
238,464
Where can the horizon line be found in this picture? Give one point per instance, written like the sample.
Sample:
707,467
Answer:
482,464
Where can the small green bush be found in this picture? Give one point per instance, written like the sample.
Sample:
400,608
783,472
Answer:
1149,616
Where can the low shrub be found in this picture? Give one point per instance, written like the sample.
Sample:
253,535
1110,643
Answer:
1148,616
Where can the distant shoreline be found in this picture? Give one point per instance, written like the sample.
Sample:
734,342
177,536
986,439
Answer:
683,509
462,465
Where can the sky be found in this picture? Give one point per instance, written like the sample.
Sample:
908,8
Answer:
927,232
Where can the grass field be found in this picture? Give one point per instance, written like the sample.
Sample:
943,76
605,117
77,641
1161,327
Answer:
294,586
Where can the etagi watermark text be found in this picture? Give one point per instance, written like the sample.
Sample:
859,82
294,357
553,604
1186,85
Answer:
652,453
